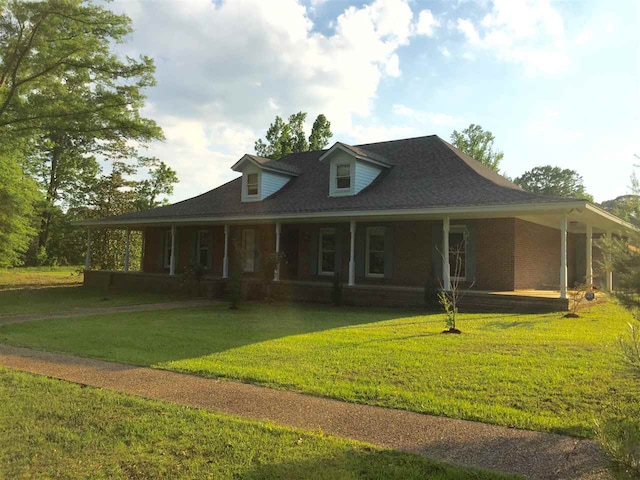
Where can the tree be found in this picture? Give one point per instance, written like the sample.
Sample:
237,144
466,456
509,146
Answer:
320,133
285,138
18,194
478,144
626,207
554,182
61,85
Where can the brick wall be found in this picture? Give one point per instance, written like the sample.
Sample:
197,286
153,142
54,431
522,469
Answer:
537,256
495,254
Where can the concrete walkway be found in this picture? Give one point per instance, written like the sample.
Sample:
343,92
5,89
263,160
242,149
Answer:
81,312
534,455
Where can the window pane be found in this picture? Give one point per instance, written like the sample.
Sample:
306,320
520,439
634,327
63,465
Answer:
376,243
328,241
376,263
203,260
252,184
343,170
457,254
343,182
328,261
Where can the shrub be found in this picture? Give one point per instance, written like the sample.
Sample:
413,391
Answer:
620,439
630,347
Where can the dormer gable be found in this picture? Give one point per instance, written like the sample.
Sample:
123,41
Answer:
262,177
352,169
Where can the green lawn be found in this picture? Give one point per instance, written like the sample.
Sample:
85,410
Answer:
50,289
539,372
54,429
34,277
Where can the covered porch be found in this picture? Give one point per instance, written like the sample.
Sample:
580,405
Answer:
383,259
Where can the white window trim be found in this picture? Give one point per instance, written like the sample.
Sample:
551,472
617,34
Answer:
325,231
370,231
200,248
245,180
166,253
465,233
334,191
244,250
337,177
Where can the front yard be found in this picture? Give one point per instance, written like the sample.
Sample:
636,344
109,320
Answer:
55,429
54,289
539,372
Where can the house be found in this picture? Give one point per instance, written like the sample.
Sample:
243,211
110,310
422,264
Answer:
384,216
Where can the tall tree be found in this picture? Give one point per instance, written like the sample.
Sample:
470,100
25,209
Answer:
61,83
18,194
626,207
478,144
320,133
285,138
554,182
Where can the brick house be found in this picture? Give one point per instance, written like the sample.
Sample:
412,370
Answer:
384,216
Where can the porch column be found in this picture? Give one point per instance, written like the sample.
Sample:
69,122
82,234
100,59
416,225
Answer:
172,260
609,272
87,256
563,256
589,256
352,253
225,260
276,273
127,250
446,269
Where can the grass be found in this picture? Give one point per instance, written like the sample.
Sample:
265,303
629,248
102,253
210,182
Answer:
54,429
538,372
35,277
49,289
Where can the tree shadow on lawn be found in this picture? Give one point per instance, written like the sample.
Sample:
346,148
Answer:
153,338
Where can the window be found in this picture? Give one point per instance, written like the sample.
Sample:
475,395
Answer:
202,248
327,251
375,252
343,177
167,249
249,250
252,184
458,252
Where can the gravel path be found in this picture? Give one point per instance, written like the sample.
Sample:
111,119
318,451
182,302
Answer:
532,454
81,312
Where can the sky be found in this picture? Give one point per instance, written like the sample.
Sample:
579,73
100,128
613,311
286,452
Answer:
558,83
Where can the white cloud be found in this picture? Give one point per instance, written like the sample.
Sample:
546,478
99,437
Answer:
224,69
426,24
527,32
445,51
436,119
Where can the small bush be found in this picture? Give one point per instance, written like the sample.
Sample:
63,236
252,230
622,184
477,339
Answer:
630,348
620,439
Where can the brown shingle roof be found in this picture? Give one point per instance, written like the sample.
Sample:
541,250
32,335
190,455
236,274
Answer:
427,172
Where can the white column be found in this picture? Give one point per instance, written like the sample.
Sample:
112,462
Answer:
127,250
588,278
172,260
446,269
87,256
276,273
225,260
352,253
563,256
609,273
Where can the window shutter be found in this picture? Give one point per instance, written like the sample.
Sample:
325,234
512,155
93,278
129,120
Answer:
194,260
313,251
257,251
361,249
436,251
339,244
472,242
388,251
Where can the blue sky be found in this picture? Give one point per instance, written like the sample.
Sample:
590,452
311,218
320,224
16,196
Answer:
556,82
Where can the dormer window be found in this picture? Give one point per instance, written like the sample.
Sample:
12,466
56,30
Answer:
252,184
343,176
